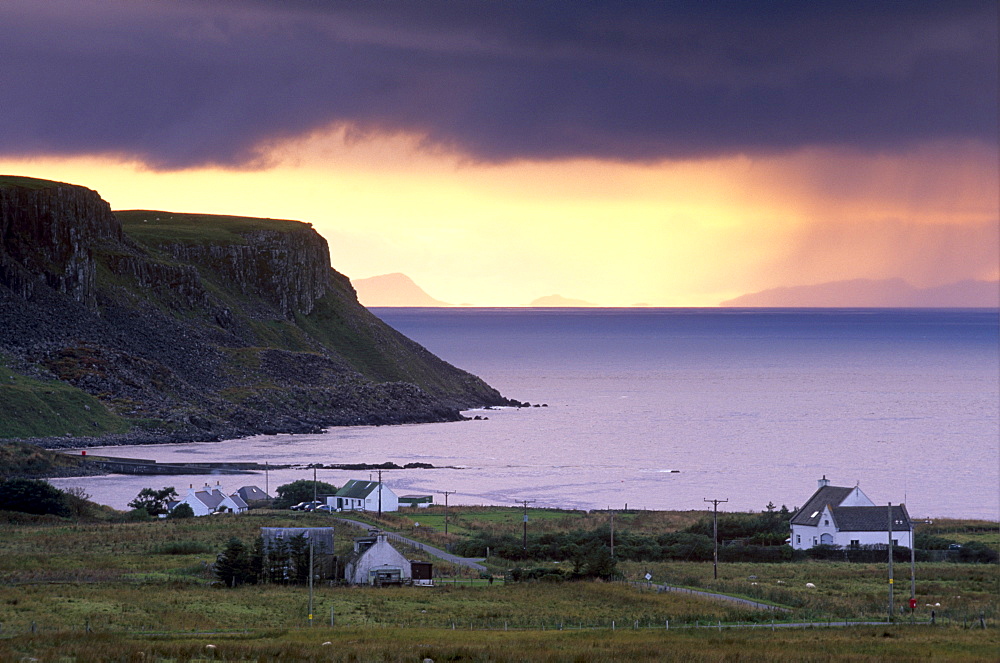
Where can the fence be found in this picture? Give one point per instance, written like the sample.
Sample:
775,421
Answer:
8,629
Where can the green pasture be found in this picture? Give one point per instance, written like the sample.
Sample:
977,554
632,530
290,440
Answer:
153,227
30,407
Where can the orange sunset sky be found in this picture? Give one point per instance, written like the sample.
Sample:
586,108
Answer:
496,201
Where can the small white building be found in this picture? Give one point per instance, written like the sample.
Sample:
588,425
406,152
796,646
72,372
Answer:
846,517
375,562
357,495
210,499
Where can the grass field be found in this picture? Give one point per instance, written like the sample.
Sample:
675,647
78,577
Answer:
856,644
145,591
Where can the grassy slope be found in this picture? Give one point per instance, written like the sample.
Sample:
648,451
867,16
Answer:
30,408
27,182
338,321
18,459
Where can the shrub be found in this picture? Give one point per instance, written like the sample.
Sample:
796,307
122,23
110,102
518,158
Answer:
182,510
301,490
977,552
33,496
154,501
183,548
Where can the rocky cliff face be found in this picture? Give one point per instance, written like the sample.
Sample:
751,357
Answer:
43,241
201,327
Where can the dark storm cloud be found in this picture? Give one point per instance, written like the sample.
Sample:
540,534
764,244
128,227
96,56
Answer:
179,84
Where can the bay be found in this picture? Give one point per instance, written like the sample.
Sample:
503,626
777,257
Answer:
666,408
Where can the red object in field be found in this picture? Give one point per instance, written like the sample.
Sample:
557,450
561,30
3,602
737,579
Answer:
83,453
913,603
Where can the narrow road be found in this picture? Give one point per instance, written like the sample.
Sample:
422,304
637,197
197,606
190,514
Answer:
431,550
712,595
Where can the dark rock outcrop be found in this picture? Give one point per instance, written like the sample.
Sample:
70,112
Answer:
193,327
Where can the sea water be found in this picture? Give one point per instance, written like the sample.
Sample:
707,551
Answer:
667,408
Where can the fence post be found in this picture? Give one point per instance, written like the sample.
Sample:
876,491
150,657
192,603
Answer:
612,624
666,624
34,627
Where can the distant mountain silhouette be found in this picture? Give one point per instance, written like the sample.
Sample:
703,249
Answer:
885,293
559,300
393,290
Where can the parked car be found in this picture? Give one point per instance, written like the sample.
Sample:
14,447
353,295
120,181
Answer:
312,506
300,506
324,508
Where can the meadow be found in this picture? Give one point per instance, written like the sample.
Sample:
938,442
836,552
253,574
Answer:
109,589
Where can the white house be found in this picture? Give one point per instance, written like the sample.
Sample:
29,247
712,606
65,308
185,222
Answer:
375,562
846,517
210,499
359,495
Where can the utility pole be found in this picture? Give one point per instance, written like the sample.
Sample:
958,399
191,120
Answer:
612,535
314,484
446,494
524,543
380,493
266,487
310,579
891,606
715,535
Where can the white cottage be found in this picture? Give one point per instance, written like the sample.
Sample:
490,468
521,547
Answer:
846,517
357,495
375,562
209,500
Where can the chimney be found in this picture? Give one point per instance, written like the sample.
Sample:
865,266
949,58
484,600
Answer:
823,482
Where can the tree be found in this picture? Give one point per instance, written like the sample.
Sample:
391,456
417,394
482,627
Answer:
301,490
233,565
33,496
182,510
154,501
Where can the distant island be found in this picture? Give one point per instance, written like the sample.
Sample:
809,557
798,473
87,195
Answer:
393,290
883,293
149,326
559,300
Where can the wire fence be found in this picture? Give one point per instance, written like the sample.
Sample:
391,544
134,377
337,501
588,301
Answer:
12,629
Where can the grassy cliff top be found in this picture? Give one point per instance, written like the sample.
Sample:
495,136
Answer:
28,182
154,227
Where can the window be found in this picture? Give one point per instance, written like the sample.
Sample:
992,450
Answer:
826,522
855,543
798,538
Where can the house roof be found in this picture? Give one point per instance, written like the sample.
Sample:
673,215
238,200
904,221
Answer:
813,509
238,501
871,518
357,489
250,493
211,499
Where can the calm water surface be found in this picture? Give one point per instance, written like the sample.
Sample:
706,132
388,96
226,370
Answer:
664,408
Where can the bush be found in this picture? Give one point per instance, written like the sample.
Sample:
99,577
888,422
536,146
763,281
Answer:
136,516
154,501
978,553
182,510
33,496
301,490
183,548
